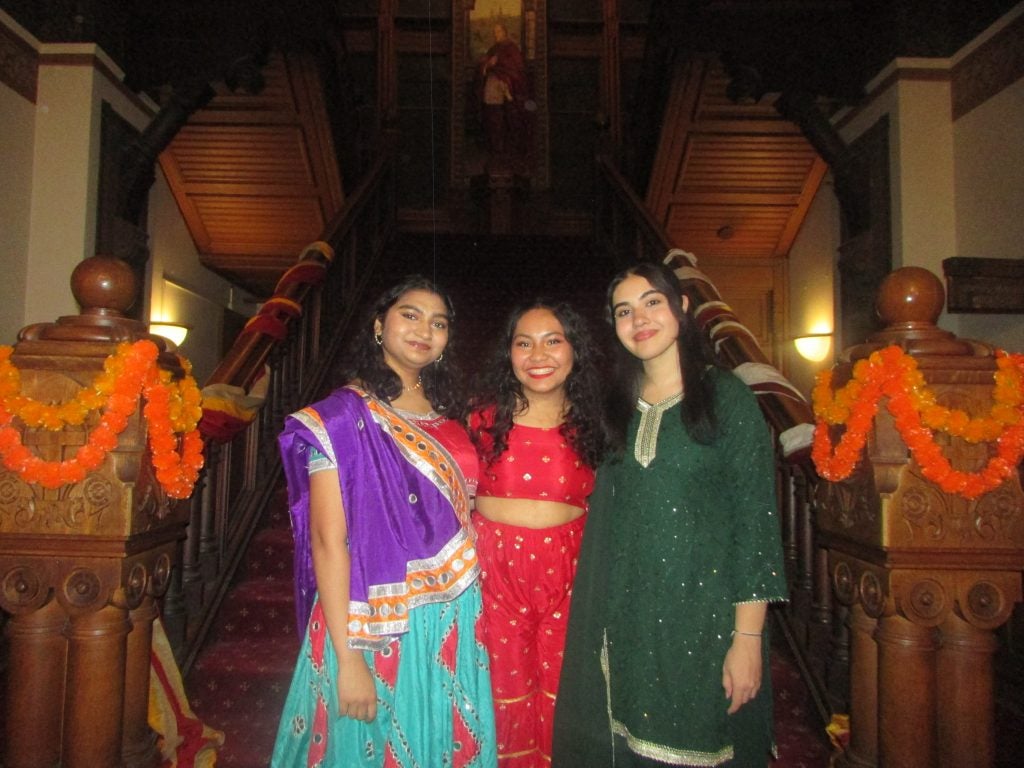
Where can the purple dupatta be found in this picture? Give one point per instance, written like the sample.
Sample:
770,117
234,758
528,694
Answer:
405,509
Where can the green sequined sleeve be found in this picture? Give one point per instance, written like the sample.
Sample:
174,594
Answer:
756,569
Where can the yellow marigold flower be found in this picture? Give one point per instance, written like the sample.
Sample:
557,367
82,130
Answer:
1006,414
957,422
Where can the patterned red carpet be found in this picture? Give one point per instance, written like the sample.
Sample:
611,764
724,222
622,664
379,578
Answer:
239,682
800,737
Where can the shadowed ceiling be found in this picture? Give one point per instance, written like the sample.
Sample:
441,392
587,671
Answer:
257,175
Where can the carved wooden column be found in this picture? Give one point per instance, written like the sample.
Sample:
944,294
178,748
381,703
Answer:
37,643
82,564
929,575
863,749
965,674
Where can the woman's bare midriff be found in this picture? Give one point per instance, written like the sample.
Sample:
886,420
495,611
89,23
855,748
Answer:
527,513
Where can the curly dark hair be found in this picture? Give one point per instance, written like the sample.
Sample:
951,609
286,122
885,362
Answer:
365,364
584,426
696,355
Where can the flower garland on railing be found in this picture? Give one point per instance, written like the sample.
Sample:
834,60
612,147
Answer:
172,411
893,373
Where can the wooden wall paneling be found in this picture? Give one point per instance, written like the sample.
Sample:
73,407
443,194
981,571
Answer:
729,178
677,122
611,71
256,176
387,63
309,90
423,129
756,291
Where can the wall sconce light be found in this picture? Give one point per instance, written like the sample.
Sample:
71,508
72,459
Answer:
814,346
173,332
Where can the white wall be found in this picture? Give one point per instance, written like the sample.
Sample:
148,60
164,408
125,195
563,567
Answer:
181,289
957,189
921,147
812,266
989,181
50,155
65,147
17,118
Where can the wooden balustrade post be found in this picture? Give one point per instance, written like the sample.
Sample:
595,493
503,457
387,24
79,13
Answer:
139,744
38,654
862,751
837,665
209,545
790,511
819,622
174,613
930,564
807,543
77,559
94,701
822,604
966,733
906,666
201,516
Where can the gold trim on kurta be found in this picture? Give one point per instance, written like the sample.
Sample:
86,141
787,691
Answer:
651,749
650,423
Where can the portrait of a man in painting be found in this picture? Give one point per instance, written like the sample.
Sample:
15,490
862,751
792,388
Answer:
502,84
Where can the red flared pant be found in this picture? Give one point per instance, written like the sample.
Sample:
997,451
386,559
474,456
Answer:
526,576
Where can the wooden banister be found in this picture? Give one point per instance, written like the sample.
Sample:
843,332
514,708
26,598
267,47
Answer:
245,360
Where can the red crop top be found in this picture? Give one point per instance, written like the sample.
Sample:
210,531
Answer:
539,464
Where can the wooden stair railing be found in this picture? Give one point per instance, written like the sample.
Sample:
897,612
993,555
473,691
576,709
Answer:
813,624
291,345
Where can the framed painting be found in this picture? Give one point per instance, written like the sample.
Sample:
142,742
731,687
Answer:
499,61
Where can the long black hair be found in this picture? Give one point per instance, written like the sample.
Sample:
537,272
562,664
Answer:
365,362
696,356
585,426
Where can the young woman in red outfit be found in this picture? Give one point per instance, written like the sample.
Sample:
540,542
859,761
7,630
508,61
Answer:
540,432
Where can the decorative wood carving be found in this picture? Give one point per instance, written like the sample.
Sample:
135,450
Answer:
928,575
81,565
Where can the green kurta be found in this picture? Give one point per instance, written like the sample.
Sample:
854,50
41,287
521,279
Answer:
668,551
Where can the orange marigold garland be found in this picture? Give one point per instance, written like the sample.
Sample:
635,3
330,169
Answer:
893,373
172,409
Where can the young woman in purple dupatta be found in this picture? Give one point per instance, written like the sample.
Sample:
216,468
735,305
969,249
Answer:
380,477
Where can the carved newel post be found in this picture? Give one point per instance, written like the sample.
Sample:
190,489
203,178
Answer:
929,575
82,564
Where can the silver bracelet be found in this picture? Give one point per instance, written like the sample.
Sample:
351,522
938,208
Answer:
748,634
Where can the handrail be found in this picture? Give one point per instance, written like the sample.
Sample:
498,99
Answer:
293,342
811,622
245,360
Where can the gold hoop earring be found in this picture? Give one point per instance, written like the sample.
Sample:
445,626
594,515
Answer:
379,338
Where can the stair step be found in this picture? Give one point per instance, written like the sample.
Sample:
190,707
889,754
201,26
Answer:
239,688
276,514
249,676
270,555
258,608
248,737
